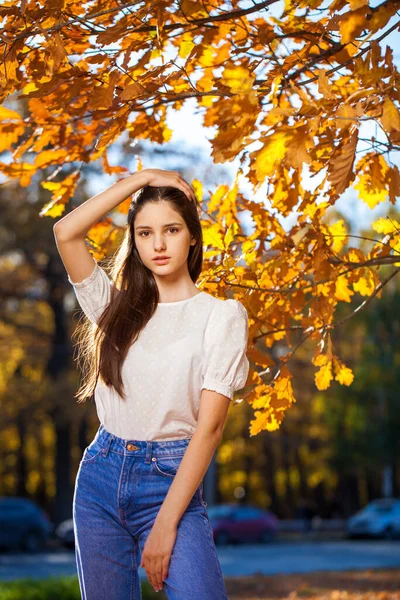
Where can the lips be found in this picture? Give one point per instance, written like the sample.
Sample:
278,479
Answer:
161,259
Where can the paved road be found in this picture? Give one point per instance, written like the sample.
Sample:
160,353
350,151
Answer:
305,557
236,560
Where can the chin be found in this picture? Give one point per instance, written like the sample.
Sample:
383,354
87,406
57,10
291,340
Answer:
162,268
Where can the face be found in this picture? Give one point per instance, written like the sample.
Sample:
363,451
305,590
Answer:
160,230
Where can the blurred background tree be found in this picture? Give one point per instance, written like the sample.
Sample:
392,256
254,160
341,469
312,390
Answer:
303,98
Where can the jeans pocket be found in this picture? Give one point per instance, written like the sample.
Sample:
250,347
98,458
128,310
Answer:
167,465
92,452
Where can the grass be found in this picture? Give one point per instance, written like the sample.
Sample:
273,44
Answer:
62,588
369,584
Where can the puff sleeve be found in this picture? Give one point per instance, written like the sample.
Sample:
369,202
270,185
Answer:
93,293
226,366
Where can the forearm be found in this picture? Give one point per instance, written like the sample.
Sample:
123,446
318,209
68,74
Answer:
192,469
78,222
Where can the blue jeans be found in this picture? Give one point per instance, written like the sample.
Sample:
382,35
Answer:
119,489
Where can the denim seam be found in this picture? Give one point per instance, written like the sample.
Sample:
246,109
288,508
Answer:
135,574
121,510
134,453
134,481
212,544
165,473
91,458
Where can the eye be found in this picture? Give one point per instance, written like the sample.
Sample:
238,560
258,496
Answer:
169,229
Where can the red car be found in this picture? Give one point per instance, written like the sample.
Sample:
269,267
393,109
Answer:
242,523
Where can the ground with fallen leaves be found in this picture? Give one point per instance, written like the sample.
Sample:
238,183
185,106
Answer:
370,584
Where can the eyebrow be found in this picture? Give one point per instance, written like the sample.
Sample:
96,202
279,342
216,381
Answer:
148,226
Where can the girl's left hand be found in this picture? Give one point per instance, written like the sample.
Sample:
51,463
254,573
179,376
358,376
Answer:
157,553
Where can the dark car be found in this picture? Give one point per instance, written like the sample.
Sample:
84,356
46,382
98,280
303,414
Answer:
242,523
23,524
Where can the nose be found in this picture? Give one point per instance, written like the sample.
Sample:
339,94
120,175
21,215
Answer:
159,244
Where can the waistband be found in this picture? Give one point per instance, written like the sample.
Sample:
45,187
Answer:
145,448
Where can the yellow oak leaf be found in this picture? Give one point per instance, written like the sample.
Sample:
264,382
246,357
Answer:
313,208
385,226
212,236
268,420
205,84
198,189
339,235
324,376
207,58
272,153
370,194
372,185
283,387
49,157
320,359
62,191
355,255
342,290
230,234
344,375
7,113
395,245
238,79
186,44
366,284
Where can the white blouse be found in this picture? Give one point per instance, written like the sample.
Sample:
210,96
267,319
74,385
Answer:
186,346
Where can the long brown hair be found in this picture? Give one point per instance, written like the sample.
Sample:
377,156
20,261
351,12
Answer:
103,346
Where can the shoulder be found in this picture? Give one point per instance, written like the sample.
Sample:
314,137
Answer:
225,310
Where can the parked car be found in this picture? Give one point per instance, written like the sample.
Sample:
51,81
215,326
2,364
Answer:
23,524
379,518
242,523
64,533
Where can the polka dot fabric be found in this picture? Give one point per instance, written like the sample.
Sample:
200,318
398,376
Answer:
189,345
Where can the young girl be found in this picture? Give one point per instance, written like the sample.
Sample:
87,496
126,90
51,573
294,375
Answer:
163,359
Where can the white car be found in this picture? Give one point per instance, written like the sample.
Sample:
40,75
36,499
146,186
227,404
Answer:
379,518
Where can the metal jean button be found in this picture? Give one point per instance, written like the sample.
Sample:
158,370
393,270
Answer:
132,447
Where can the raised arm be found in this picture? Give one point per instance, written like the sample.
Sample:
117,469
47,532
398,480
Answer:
70,231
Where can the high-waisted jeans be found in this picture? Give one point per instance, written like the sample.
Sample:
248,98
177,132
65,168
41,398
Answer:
119,489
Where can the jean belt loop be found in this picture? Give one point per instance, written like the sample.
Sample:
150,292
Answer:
149,451
108,444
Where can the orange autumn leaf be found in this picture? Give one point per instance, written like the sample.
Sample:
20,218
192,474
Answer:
352,23
390,118
341,164
293,102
